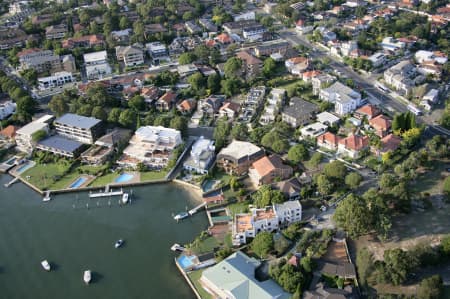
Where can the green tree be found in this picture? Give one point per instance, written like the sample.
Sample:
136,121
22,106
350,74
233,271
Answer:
446,186
316,159
364,264
353,179
335,170
198,83
58,105
124,23
280,146
26,107
324,185
445,245
398,264
232,68
114,115
221,132
430,288
30,75
269,67
230,86
127,118
214,83
239,132
137,103
179,123
353,215
187,58
298,153
262,244
99,113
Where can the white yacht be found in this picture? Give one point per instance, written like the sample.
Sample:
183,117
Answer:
87,276
46,265
119,243
181,216
125,198
177,247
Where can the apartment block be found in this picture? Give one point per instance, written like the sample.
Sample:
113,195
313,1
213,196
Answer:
80,128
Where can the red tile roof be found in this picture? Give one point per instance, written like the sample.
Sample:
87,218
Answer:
168,97
368,110
9,131
390,142
381,122
224,38
265,165
355,142
249,59
187,105
329,138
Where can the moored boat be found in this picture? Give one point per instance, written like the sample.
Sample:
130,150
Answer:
87,276
181,216
119,243
46,265
177,247
125,198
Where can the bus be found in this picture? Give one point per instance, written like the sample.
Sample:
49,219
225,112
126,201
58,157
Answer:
382,87
414,110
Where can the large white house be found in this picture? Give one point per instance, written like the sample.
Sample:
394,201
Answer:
202,155
265,219
152,146
7,108
97,65
58,79
346,100
24,136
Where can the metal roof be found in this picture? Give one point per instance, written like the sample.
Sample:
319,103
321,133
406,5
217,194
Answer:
78,121
61,143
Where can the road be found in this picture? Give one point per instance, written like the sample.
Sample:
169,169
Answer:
367,84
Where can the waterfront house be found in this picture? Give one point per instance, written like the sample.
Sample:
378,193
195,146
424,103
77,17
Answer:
235,277
201,156
81,128
268,169
352,145
104,147
60,146
299,112
24,136
237,157
152,146
265,219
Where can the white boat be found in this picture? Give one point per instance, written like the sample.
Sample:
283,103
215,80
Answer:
87,276
125,198
118,243
46,197
177,247
181,216
46,265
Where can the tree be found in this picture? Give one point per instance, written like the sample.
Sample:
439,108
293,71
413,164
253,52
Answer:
214,83
26,107
58,105
316,159
446,186
270,138
138,31
352,215
232,68
179,123
364,264
445,245
198,83
353,179
114,115
269,67
221,132
280,146
124,23
266,196
262,244
239,132
298,153
230,86
397,265
137,103
30,75
430,288
99,113
324,185
187,58
335,170
127,118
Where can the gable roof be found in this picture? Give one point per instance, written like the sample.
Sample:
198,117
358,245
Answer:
187,105
369,110
248,58
9,131
329,138
355,142
168,97
265,165
230,105
380,122
390,142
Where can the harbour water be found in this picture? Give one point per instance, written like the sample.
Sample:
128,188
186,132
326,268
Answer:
74,238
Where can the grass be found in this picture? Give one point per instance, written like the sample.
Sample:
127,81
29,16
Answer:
44,176
194,276
205,246
432,180
104,180
152,175
238,207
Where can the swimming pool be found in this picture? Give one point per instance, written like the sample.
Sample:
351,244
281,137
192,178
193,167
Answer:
78,183
186,261
23,167
11,161
209,185
124,177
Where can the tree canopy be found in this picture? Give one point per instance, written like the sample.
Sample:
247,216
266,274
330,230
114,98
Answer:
262,244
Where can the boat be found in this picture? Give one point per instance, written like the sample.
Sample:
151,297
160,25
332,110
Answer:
46,197
87,276
125,198
119,243
46,265
181,216
176,247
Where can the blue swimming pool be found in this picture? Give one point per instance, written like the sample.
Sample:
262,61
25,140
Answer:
124,177
186,261
209,185
24,167
78,182
11,161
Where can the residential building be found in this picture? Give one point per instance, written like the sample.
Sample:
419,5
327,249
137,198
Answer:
274,103
187,106
68,63
57,80
211,105
346,100
389,143
327,118
24,136
7,108
392,45
104,147
87,41
319,82
60,146
268,48
157,52
152,146
8,133
368,111
299,112
378,59
328,140
130,55
247,15
151,29
56,31
39,60
290,188
81,128
381,125
422,56
237,157
251,66
297,65
227,278
238,27
432,96
185,70
254,33
265,219
150,94
192,28
348,47
208,25
122,36
268,169
166,101
229,110
97,65
352,145
202,156
402,77
313,130
13,37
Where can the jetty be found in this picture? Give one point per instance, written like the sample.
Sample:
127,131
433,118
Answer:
195,210
106,193
12,182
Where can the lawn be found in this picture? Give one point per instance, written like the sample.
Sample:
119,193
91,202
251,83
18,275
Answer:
194,276
152,175
104,180
205,246
45,176
238,207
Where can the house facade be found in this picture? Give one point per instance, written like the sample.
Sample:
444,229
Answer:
201,156
81,128
97,65
130,55
267,169
346,100
299,112
237,157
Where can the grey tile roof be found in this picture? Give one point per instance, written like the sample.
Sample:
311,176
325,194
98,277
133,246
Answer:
77,121
299,107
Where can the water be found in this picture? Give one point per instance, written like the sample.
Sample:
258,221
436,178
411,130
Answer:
76,239
125,177
23,167
78,182
186,261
